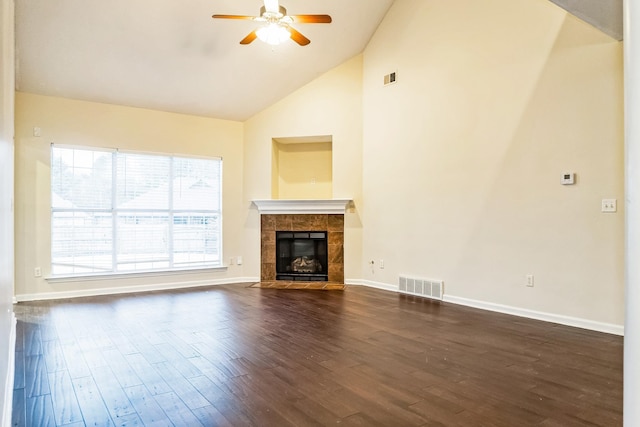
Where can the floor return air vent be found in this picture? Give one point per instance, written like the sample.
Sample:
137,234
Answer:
421,287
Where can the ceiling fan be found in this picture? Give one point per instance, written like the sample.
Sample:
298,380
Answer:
277,24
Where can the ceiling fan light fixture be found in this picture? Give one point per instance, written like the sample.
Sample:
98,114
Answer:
277,25
272,6
273,34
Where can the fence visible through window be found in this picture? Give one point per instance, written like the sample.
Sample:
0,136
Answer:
115,211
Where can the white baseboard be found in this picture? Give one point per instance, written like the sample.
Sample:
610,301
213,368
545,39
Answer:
608,328
78,293
7,405
372,284
577,322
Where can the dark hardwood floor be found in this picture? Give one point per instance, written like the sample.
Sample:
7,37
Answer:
234,356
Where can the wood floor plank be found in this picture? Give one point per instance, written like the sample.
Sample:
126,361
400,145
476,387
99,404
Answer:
153,353
53,356
121,369
146,407
65,403
20,342
129,420
210,416
317,412
177,412
19,412
122,342
97,359
226,404
33,340
115,399
149,376
183,348
19,370
181,386
36,379
213,371
74,360
40,411
233,355
94,411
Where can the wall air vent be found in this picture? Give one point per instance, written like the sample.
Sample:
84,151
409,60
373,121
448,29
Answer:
421,287
390,78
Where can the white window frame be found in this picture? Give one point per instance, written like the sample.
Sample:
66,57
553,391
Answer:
170,213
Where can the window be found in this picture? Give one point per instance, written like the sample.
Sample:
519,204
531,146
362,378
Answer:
114,211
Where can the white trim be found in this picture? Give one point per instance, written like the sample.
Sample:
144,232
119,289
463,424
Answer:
577,322
11,368
379,285
304,139
320,206
127,151
133,289
84,147
131,274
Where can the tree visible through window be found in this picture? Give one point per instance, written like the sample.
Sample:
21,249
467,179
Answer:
115,211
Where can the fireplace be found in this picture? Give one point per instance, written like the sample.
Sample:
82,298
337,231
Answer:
302,255
302,247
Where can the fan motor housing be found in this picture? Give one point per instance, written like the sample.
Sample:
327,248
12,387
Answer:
271,15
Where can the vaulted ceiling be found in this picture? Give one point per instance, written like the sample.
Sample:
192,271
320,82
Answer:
172,56
603,14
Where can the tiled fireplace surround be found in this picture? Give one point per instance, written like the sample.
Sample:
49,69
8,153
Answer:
333,224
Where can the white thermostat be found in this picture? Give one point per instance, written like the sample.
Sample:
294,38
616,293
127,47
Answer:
568,178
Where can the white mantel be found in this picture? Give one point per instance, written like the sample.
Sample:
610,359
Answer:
303,206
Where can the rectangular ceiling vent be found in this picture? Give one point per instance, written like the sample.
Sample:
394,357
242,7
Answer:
390,78
429,288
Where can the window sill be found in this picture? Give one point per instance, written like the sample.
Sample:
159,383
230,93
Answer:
127,275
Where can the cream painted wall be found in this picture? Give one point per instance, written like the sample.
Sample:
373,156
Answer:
74,122
330,105
462,157
303,171
454,170
7,318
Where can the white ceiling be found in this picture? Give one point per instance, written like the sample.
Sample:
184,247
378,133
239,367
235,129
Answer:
171,55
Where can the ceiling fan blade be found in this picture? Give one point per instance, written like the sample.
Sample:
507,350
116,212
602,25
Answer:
234,17
297,37
250,37
311,19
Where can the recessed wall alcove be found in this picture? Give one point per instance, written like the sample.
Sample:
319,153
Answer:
302,167
302,203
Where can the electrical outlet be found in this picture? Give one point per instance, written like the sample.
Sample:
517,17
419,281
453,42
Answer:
37,272
609,205
239,260
381,264
530,280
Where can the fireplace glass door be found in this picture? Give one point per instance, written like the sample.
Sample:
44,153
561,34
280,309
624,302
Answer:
301,255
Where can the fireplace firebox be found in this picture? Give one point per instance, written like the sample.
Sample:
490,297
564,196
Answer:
302,255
